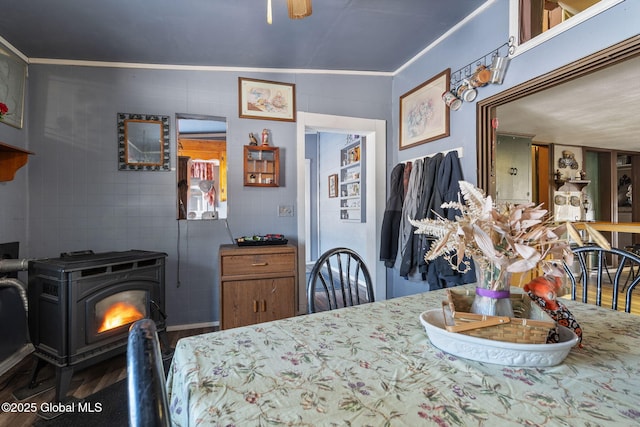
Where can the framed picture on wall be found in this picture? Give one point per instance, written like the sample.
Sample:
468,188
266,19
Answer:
143,142
333,185
13,75
424,116
266,100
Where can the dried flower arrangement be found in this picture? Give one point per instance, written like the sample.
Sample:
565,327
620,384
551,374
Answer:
511,239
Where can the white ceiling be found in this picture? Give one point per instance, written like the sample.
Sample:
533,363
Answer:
597,110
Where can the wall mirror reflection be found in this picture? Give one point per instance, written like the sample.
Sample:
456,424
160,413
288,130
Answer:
143,142
202,167
595,130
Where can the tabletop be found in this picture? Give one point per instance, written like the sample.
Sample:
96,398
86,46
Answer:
374,365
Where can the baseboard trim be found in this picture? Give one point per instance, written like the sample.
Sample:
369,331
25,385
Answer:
192,326
16,358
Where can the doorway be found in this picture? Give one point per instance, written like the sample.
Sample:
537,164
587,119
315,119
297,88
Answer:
607,138
375,191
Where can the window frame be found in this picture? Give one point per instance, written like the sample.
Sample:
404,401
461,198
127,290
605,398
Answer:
514,24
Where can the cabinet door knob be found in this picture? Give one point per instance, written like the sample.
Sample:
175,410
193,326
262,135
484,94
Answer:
255,306
264,305
259,264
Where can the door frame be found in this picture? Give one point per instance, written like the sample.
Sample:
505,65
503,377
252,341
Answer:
486,108
376,133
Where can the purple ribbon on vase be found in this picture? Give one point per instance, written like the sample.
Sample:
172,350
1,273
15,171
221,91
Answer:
492,294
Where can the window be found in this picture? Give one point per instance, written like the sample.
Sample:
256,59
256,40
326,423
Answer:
532,22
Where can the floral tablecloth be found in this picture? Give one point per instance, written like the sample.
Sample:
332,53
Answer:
374,365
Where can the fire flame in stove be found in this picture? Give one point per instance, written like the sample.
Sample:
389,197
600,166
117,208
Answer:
120,313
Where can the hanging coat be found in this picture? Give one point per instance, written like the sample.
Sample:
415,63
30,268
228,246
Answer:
429,203
409,207
440,274
391,221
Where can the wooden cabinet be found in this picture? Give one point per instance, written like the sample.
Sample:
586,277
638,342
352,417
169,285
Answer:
257,284
513,169
352,179
261,166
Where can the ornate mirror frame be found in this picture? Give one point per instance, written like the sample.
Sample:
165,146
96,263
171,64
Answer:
143,142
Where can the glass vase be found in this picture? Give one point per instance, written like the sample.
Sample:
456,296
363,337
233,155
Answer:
492,291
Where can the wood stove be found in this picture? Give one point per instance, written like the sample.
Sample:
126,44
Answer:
82,304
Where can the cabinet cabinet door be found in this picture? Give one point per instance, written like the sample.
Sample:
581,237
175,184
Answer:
513,169
276,299
241,300
259,300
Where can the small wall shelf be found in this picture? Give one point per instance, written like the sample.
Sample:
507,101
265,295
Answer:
352,202
11,159
579,184
261,166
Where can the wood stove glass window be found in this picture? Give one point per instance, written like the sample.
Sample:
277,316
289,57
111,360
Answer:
121,309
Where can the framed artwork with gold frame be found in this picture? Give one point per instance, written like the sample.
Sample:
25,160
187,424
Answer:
424,116
333,185
266,100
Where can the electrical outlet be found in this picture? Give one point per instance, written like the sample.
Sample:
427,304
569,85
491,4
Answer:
285,210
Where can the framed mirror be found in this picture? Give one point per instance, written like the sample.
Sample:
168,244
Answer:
143,142
202,167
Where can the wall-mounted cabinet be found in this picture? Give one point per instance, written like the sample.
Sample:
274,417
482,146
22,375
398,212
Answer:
513,169
11,159
261,166
352,180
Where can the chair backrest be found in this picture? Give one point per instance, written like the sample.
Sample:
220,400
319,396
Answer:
598,272
146,385
338,279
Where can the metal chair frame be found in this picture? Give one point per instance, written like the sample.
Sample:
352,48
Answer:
146,385
343,267
593,259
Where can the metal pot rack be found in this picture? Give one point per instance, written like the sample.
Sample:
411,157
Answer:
467,71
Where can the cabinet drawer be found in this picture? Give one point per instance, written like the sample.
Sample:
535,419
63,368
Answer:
257,264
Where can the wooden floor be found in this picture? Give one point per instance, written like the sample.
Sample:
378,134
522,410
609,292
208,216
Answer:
607,292
83,383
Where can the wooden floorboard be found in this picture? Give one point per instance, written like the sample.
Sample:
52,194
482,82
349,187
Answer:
607,292
84,382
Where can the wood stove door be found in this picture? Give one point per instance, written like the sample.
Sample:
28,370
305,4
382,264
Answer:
111,311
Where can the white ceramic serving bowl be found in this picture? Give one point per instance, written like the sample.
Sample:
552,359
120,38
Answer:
492,351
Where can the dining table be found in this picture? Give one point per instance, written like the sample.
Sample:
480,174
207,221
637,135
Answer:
374,365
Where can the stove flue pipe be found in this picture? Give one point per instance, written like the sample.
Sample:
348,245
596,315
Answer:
10,266
13,265
9,282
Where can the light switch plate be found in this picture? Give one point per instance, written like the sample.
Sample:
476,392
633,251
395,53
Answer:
285,210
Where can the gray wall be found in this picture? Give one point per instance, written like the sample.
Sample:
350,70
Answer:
72,197
78,199
481,35
14,194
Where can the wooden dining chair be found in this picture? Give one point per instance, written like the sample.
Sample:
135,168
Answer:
339,278
598,275
146,385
